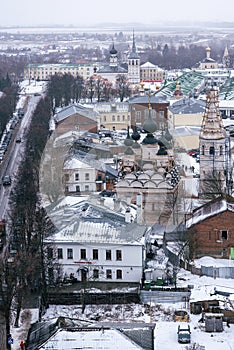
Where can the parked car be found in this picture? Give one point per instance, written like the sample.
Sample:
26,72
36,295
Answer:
184,333
6,181
18,139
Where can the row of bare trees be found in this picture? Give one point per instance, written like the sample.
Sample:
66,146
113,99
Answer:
7,101
64,89
22,265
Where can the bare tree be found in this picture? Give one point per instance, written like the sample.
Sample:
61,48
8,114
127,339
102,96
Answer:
213,185
122,87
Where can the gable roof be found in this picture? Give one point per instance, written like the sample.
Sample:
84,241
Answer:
112,69
75,109
100,338
188,106
85,161
210,209
128,335
148,65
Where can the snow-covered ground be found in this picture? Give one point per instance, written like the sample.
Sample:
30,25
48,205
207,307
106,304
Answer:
161,315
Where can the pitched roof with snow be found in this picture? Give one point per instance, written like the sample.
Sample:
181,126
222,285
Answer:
188,106
87,222
75,109
148,65
210,209
90,339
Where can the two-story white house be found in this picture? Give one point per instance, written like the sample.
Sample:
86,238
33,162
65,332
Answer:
79,176
97,244
84,175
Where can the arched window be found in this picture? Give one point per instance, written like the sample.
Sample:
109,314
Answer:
212,150
203,150
221,150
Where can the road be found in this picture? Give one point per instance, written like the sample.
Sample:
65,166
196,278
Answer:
14,156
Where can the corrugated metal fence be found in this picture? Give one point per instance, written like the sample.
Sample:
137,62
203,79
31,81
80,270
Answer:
157,297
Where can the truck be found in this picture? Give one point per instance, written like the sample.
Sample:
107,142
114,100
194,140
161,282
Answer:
184,333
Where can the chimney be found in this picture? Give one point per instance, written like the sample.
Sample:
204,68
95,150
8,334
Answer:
128,215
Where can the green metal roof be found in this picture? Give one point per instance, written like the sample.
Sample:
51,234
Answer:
188,82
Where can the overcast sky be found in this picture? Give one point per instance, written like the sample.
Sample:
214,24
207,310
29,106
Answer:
86,12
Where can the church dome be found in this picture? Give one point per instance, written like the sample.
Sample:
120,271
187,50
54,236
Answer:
149,125
113,51
162,151
129,151
135,135
149,140
128,141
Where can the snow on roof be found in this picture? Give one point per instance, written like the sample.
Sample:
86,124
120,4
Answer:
88,222
105,339
99,232
209,261
75,109
75,163
208,210
148,65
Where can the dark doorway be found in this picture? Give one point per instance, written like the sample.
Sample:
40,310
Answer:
83,275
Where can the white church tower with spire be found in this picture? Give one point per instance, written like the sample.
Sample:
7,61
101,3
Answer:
134,65
215,161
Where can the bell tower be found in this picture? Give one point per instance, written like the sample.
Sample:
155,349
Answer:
134,65
214,151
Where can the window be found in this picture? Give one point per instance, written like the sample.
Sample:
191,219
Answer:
221,150
83,253
86,176
50,253
95,274
118,255
118,274
203,150
138,115
76,176
224,235
66,177
77,188
86,188
51,275
113,118
109,274
70,253
123,118
60,253
108,254
118,118
95,254
212,150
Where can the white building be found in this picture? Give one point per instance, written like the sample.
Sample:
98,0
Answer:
97,244
79,176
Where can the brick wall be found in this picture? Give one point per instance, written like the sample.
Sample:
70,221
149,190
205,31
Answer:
213,236
76,122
